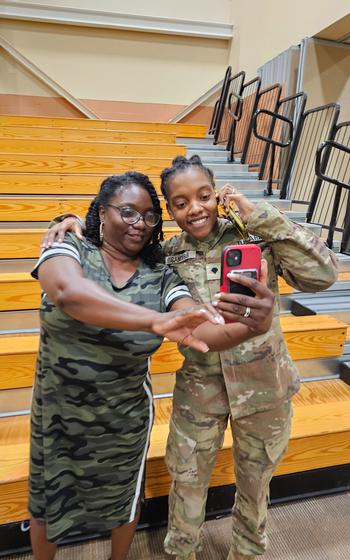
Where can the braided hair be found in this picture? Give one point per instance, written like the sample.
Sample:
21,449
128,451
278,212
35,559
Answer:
152,252
180,164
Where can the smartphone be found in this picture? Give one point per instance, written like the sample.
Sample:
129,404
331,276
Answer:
240,259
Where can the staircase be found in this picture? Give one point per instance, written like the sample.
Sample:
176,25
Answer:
49,166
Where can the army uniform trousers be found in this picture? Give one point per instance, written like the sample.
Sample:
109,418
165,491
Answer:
259,442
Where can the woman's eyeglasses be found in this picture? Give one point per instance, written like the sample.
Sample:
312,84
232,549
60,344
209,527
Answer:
131,216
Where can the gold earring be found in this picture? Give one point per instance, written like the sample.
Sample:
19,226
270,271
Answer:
101,231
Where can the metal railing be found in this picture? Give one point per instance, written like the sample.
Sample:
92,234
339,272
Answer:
219,106
231,108
316,125
278,123
253,151
286,140
241,125
330,202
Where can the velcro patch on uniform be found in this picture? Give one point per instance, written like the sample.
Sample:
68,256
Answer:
180,257
251,239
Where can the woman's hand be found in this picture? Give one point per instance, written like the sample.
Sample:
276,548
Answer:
57,232
229,193
178,326
255,312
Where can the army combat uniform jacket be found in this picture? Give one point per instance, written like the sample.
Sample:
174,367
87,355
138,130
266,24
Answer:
258,374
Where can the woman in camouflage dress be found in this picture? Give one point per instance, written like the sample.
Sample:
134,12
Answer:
92,408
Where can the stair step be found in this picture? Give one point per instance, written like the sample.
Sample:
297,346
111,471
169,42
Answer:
248,183
343,262
226,170
96,136
336,303
321,424
306,337
180,129
27,321
31,208
206,141
59,184
23,146
343,283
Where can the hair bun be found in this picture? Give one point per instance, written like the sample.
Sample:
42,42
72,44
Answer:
195,159
179,160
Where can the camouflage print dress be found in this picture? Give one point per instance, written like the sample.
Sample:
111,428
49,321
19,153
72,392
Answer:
92,407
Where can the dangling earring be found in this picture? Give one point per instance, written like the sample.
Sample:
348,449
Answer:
101,231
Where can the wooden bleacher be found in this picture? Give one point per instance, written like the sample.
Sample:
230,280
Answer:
36,185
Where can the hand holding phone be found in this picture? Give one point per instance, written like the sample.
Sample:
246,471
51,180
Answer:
240,259
237,302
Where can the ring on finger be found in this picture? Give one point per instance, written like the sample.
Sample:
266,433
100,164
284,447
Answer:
247,312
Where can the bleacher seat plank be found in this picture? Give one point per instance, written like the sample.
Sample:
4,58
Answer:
35,183
43,209
18,291
25,243
320,439
19,163
314,336
20,243
313,339
93,149
17,361
181,130
86,135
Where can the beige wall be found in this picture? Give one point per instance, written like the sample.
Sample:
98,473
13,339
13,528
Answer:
218,11
116,65
327,76
265,28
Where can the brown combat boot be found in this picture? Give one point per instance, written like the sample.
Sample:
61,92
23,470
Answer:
190,556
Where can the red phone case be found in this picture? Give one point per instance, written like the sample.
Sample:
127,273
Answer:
250,262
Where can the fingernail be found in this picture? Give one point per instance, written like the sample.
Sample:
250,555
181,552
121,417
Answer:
214,303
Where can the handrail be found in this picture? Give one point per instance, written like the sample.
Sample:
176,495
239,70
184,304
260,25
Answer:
275,117
271,141
238,114
319,165
214,89
28,65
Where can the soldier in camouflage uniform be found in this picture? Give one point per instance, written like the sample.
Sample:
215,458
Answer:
252,384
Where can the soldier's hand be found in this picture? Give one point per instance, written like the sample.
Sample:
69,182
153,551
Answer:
255,312
228,193
57,232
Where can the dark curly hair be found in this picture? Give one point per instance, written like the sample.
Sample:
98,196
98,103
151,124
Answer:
179,164
152,252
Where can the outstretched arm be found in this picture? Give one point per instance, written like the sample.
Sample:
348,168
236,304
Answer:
63,281
234,307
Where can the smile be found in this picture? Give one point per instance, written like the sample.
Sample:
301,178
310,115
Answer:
136,238
198,221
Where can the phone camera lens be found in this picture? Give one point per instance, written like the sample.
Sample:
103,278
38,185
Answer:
234,257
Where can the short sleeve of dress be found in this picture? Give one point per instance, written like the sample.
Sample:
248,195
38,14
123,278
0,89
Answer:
173,289
70,247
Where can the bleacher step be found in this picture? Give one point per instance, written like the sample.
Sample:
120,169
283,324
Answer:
336,303
306,337
319,439
180,129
